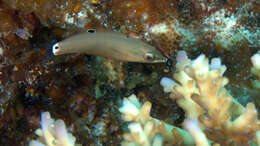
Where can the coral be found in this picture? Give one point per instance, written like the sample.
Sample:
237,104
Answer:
193,127
201,93
255,70
52,133
213,116
146,130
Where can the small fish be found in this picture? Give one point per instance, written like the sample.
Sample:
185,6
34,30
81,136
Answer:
111,45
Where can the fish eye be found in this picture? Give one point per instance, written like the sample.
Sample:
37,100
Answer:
91,31
148,56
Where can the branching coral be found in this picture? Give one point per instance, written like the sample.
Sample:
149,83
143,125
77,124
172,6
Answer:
255,59
148,131
212,115
200,92
52,133
193,127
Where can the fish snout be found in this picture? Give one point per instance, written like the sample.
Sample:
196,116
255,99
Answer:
154,58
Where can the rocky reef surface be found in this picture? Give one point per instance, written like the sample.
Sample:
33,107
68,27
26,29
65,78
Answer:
86,91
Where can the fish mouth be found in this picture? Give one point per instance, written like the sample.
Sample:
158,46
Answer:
164,60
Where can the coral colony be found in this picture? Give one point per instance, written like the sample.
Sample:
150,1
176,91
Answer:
213,116
256,69
52,133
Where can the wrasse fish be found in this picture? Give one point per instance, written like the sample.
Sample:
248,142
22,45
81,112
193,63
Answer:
111,45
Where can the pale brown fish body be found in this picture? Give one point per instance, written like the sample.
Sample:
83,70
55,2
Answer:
111,45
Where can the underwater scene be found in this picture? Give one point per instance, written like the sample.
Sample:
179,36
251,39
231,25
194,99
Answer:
129,72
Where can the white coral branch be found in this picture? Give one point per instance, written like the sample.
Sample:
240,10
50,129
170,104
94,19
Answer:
52,133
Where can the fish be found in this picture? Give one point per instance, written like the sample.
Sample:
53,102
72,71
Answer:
111,45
